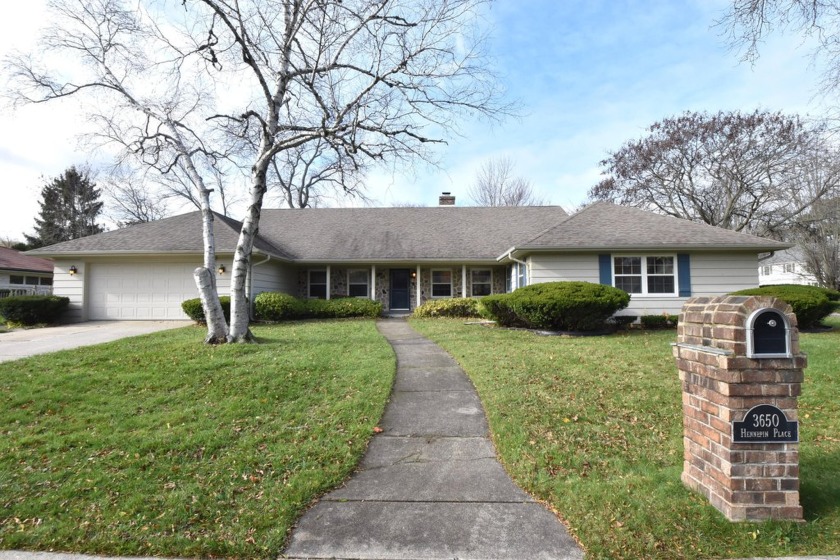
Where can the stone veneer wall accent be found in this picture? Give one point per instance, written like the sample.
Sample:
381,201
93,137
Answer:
338,282
746,482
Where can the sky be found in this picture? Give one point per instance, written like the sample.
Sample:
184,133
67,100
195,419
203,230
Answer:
585,77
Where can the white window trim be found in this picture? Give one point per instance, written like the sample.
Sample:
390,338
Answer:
644,257
472,280
309,282
367,281
432,283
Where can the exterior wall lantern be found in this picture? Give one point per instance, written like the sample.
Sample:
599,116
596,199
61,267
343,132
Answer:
73,270
222,269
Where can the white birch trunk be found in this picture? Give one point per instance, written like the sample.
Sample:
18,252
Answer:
204,279
239,310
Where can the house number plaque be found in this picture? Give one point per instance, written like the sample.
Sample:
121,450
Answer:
765,423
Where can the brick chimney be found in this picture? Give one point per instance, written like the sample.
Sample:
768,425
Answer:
446,199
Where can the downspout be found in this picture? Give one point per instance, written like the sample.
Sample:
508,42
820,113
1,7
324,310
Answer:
514,259
249,283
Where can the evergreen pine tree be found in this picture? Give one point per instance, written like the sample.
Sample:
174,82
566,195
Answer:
69,208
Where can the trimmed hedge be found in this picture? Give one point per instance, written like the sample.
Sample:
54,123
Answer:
811,304
32,310
452,307
562,306
342,308
195,311
275,306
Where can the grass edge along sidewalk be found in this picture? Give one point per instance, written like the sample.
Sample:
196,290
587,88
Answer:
162,446
593,427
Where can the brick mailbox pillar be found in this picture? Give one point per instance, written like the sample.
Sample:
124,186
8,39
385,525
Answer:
741,372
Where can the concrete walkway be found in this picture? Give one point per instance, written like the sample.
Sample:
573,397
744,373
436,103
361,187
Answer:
22,343
430,486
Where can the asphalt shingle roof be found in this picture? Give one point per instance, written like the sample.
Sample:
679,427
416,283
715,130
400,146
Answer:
604,225
437,233
415,234
15,260
178,234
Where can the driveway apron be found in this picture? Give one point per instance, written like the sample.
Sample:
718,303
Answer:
429,486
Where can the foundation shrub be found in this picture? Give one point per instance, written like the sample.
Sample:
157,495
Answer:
33,310
453,307
564,306
274,306
342,308
811,304
195,311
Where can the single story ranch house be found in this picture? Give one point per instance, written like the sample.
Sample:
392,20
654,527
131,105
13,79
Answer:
406,256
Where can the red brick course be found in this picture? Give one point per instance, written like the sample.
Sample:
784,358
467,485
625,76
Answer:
746,482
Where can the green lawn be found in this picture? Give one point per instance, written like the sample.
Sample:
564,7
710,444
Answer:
160,445
593,427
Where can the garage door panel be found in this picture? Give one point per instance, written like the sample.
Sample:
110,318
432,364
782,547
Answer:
139,291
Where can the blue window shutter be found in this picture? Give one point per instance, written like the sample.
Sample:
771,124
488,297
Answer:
684,272
605,269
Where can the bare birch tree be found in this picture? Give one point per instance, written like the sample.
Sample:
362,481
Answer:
496,185
254,79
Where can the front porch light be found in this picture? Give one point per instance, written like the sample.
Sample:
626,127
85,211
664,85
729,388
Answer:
222,269
73,270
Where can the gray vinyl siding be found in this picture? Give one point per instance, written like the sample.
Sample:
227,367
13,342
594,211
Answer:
72,287
274,277
712,274
566,267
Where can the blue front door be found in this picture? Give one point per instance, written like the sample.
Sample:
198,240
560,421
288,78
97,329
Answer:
400,288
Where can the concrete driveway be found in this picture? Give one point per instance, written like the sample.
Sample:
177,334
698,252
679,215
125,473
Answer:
22,343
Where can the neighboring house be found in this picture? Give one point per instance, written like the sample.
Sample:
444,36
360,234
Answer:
24,275
785,267
405,256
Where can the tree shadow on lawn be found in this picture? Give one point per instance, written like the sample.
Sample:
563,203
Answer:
819,493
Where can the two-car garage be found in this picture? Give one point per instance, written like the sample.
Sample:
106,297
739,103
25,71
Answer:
139,290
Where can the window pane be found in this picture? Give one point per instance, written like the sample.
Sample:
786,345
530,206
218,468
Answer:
481,276
441,290
358,276
32,280
481,290
441,277
15,279
317,276
660,284
358,290
628,265
660,265
318,291
46,281
630,284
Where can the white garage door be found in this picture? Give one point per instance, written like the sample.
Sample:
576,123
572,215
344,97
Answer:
139,291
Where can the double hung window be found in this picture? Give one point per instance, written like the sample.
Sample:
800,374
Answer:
645,275
441,283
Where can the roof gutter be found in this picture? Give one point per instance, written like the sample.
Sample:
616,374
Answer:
769,255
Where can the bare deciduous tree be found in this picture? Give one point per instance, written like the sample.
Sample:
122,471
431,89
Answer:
129,200
748,23
496,185
737,171
251,81
817,235
308,175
